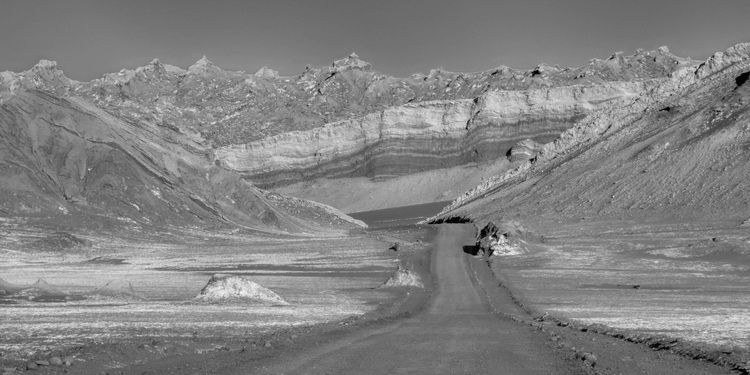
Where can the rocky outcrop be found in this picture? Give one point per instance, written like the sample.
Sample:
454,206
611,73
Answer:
229,288
492,241
524,150
45,75
428,135
119,289
404,277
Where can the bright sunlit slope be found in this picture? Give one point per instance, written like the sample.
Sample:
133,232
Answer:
683,149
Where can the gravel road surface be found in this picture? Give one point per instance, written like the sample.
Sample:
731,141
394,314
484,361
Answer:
456,334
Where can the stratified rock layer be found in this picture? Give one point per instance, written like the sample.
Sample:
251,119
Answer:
429,135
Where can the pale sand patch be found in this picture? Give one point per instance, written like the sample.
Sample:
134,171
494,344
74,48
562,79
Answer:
356,194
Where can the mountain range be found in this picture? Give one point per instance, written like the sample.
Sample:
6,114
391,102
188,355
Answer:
162,145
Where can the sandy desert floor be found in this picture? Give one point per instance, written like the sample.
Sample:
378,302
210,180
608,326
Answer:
357,194
128,301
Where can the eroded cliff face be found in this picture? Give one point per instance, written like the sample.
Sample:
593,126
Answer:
429,135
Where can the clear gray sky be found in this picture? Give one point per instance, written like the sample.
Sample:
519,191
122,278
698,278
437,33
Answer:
399,37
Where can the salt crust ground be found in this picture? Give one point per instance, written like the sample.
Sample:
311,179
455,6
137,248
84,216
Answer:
683,280
134,289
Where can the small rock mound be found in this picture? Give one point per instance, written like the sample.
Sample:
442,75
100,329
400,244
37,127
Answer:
42,291
61,241
222,288
7,288
500,245
524,150
404,277
116,289
494,241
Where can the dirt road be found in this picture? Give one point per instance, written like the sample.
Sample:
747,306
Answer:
456,334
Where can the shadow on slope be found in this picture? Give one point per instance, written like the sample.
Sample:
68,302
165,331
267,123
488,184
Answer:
67,161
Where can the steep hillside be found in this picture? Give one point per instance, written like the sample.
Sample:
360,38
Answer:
682,150
67,162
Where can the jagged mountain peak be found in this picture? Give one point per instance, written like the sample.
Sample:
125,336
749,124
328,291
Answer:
721,60
204,61
46,64
46,68
502,70
203,65
6,75
266,73
351,62
154,66
254,106
544,69
44,75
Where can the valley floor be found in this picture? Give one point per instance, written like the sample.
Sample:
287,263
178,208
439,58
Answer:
131,299
591,296
457,333
470,325
358,194
681,286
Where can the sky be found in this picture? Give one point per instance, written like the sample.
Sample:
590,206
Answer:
399,37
